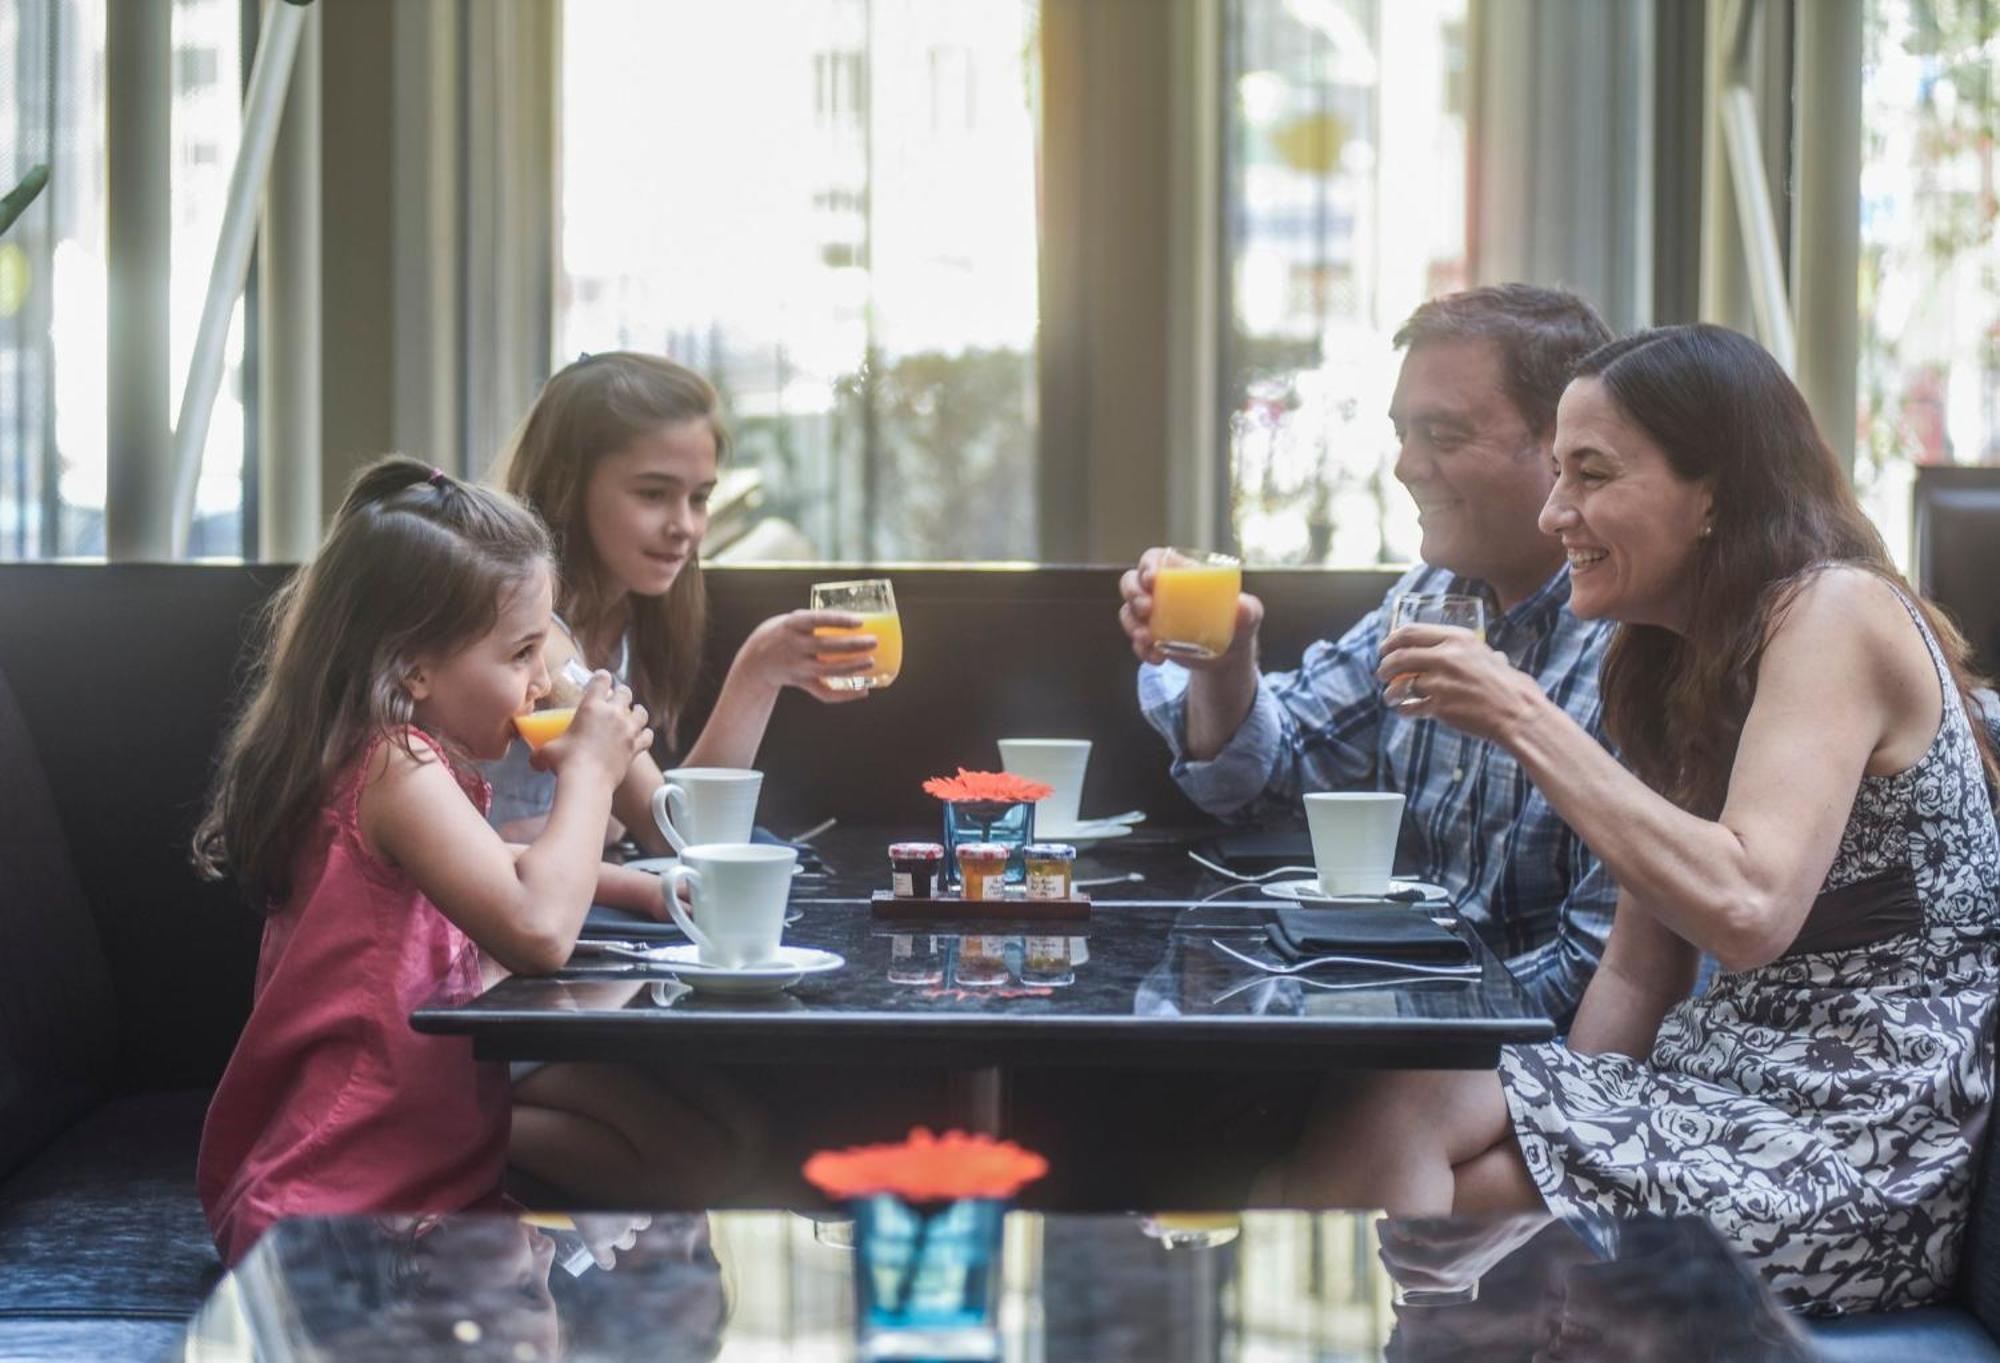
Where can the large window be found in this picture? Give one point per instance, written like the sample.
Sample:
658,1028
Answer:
1930,264
53,268
835,220
1345,155
207,127
52,342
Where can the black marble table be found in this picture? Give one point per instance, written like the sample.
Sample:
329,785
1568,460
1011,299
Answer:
1141,983
1278,1287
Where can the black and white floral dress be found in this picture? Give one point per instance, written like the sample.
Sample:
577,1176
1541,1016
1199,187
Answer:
1825,1111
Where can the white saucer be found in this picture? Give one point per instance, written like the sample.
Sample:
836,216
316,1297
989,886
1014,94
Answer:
658,865
1307,891
790,965
1086,833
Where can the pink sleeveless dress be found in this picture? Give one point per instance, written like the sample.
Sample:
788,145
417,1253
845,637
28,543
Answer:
331,1103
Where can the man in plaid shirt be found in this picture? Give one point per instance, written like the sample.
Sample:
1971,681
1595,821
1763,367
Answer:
1474,411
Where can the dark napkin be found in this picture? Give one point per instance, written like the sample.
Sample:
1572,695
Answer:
605,921
1249,849
1392,932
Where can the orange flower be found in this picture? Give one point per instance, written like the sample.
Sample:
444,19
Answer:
927,1168
1002,787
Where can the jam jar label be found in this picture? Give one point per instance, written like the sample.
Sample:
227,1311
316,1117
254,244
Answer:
1048,885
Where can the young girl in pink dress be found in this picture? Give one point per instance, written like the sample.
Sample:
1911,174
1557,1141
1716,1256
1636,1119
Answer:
348,804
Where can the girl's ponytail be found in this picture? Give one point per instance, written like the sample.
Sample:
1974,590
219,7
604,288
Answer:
384,479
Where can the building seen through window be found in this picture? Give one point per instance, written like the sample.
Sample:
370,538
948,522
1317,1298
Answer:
839,231
1345,148
53,269
1929,383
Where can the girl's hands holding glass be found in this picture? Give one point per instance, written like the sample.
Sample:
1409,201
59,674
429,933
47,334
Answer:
608,729
784,651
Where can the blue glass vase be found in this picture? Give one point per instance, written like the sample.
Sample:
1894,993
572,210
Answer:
927,1277
1012,825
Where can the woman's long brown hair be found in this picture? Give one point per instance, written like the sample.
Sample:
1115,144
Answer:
597,406
415,563
1722,410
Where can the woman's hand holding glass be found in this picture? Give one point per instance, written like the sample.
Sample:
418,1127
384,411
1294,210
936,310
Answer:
1448,672
608,729
1138,588
784,651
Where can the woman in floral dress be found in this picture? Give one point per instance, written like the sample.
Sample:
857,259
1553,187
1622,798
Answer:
1800,795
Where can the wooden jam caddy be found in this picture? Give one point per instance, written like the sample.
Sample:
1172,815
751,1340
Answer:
888,904
919,871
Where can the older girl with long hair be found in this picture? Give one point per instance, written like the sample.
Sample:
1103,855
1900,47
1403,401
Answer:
619,456
1801,795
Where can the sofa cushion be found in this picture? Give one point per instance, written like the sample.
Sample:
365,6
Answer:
90,1341
1936,1334
105,1222
57,1027
1978,1289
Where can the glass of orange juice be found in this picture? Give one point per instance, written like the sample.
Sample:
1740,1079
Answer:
875,602
1194,602
551,719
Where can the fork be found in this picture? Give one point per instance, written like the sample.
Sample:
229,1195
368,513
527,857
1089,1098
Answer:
1248,879
1414,967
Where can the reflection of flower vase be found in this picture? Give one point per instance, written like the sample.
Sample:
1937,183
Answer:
1012,825
927,1281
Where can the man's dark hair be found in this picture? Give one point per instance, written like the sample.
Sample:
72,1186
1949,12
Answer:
1541,334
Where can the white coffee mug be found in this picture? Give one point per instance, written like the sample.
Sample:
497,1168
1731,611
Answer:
707,804
1059,764
1354,839
739,891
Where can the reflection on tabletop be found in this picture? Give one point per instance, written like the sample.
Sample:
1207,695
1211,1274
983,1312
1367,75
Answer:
1195,975
1163,1287
1016,966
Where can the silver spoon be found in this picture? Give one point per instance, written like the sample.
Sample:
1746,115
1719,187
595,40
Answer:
1413,967
1252,880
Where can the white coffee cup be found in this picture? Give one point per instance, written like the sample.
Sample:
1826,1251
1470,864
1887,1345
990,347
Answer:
739,891
706,805
1354,839
1057,763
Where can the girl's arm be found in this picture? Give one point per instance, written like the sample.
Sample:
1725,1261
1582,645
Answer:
781,652
1645,971
1845,687
620,887
524,911
633,891
632,805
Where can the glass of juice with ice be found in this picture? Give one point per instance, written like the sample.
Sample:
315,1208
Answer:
551,719
1194,602
875,602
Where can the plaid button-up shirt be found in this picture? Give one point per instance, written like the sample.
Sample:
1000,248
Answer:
1472,818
